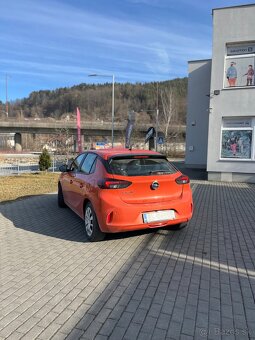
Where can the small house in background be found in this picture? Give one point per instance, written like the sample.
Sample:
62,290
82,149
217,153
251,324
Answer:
220,132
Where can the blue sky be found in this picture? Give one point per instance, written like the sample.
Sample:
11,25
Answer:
57,43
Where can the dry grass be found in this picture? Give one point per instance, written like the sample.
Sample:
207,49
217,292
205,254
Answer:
15,187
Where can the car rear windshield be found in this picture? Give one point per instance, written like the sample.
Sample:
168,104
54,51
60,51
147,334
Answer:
141,166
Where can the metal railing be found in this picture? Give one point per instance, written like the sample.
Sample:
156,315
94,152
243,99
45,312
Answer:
19,168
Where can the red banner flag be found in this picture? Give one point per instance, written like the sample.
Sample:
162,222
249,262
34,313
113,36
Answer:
79,130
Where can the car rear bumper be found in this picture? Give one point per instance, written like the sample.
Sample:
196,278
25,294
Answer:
119,216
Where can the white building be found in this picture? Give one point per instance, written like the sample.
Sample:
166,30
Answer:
221,100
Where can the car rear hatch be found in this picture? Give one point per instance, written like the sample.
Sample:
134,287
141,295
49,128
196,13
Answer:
141,190
152,179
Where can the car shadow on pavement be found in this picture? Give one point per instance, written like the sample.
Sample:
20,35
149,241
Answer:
41,214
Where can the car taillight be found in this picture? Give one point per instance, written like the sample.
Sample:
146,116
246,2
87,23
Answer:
182,179
111,183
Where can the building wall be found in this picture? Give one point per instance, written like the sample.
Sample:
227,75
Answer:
231,26
198,113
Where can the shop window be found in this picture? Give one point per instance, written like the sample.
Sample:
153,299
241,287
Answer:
237,138
239,65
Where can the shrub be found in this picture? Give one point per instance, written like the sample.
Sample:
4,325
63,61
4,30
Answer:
44,160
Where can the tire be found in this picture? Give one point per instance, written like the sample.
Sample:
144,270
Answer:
92,228
61,201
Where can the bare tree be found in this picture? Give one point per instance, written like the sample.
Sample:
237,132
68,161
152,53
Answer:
169,108
62,141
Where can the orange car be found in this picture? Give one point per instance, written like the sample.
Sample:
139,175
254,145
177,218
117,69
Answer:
116,190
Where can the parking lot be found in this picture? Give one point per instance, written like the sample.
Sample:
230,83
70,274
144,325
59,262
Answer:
197,283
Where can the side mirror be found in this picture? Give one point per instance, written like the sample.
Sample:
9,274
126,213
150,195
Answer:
63,168
69,163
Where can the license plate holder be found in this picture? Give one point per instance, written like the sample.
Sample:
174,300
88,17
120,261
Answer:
158,216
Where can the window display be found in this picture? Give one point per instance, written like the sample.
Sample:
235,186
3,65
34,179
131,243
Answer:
237,138
236,144
239,66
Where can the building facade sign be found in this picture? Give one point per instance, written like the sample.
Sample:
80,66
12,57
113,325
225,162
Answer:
240,49
236,123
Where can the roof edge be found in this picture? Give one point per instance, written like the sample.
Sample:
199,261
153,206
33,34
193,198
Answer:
228,7
198,60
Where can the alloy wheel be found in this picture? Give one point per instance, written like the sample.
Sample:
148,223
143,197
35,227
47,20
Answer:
89,221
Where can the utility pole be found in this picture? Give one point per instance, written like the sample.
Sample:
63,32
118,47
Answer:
157,112
113,83
6,93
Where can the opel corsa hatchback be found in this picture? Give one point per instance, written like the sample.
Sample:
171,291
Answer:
117,190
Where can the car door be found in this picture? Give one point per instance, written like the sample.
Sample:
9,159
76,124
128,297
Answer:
68,181
84,182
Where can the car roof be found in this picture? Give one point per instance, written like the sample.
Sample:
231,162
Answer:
108,153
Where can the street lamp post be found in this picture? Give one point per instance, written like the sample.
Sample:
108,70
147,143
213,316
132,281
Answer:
6,94
157,112
113,83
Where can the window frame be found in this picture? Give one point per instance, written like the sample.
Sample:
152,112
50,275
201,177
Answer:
252,145
235,57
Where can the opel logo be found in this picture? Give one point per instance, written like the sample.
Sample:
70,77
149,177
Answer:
154,185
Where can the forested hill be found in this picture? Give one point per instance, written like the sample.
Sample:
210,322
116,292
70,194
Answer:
95,102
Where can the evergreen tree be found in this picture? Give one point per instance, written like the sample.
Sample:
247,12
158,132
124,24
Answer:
44,160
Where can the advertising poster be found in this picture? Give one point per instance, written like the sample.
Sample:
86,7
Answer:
236,144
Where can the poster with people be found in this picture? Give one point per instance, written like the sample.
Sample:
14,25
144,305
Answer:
239,72
236,144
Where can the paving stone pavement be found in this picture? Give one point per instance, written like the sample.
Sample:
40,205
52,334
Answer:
197,283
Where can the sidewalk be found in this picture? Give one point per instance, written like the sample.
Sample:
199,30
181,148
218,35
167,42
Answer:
197,283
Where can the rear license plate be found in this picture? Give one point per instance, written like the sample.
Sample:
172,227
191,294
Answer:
158,216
